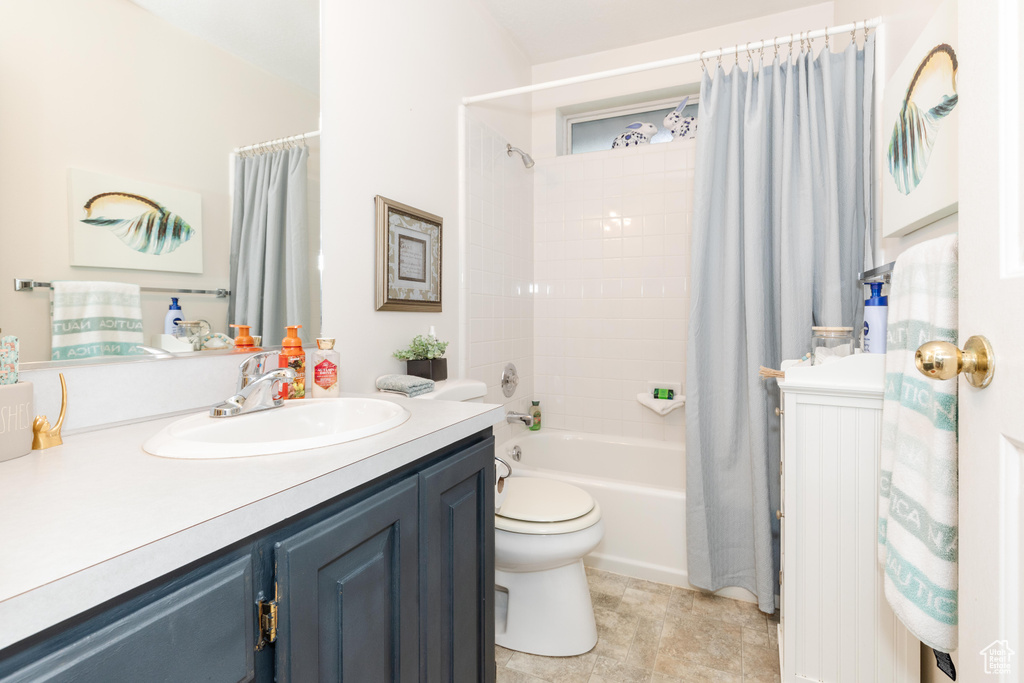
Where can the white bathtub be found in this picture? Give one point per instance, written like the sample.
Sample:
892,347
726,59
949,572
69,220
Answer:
640,486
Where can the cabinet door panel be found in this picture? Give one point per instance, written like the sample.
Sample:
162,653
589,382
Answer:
348,594
457,513
201,632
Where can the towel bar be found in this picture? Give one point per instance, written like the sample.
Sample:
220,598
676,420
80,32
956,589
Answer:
26,285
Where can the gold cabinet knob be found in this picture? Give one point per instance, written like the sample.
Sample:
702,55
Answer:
779,412
778,514
942,360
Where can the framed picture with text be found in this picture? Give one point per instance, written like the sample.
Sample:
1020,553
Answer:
408,258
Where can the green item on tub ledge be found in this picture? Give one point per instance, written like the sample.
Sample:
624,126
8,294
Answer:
535,414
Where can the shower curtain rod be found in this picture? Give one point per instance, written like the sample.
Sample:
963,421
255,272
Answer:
676,61
280,141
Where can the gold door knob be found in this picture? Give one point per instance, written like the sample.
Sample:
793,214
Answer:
942,360
778,514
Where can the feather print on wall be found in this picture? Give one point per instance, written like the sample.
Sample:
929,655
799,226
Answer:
930,97
141,223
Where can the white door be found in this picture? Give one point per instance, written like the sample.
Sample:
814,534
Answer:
991,89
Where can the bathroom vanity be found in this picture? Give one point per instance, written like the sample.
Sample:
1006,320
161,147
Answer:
366,561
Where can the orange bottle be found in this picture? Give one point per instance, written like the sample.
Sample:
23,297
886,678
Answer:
244,343
293,356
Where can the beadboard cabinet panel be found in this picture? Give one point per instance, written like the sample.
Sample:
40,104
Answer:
205,626
837,626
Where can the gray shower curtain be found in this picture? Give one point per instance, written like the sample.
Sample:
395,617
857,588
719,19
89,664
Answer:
270,244
782,216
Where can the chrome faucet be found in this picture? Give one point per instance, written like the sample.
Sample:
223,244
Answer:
514,418
256,389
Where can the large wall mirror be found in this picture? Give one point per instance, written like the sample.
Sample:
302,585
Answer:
135,110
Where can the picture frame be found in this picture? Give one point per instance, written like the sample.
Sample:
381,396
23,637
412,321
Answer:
409,259
117,222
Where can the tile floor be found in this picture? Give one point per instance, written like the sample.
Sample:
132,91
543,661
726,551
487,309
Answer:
656,633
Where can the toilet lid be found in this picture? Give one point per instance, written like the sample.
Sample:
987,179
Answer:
530,499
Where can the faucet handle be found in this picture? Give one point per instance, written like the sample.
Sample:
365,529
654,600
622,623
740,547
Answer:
252,367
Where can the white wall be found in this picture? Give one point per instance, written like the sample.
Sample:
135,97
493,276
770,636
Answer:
393,77
103,85
612,238
668,82
498,292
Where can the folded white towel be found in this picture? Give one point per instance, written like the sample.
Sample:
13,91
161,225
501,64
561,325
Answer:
662,406
917,501
96,319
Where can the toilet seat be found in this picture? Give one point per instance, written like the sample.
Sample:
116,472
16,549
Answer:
545,506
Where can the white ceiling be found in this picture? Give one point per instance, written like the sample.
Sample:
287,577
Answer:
549,30
280,37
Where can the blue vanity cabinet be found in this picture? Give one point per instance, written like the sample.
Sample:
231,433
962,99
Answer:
457,532
391,582
348,594
202,622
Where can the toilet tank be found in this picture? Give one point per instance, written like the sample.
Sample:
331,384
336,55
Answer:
471,390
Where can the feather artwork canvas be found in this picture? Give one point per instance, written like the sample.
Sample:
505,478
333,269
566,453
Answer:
123,223
919,130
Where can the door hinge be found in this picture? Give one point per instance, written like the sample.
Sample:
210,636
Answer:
267,612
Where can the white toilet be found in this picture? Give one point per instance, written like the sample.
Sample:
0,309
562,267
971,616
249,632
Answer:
542,530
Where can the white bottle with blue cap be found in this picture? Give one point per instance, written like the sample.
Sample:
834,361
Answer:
173,317
876,318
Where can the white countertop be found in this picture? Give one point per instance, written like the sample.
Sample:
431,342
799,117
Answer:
97,516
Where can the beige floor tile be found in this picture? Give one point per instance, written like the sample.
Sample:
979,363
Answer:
615,633
686,672
643,604
773,635
612,671
644,649
681,601
756,636
554,669
502,655
760,661
608,583
650,586
698,640
662,678
730,611
510,676
604,600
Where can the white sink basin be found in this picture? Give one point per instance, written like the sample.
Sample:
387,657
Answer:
295,426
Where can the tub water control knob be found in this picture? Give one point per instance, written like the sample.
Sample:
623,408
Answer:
516,452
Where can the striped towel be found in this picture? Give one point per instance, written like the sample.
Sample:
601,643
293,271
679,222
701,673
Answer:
407,385
917,501
96,319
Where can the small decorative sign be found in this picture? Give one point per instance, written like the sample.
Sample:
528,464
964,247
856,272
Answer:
408,258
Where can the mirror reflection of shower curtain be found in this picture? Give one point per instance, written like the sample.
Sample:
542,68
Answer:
269,245
781,218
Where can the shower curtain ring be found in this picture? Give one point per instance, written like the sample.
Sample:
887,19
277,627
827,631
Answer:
776,44
736,54
703,66
826,37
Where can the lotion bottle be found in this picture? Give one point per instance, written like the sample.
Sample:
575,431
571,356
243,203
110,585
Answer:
325,369
173,317
876,318
293,356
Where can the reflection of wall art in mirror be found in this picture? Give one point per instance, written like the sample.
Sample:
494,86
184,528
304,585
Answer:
121,223
408,258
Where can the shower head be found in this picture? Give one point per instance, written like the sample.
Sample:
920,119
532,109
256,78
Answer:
528,161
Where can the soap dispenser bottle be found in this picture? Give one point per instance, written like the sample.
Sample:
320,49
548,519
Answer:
173,317
293,356
535,414
325,369
244,342
876,318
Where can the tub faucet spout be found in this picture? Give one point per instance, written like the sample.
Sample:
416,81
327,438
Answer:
514,418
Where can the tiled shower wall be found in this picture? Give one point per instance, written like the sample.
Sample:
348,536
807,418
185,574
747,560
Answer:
499,195
611,260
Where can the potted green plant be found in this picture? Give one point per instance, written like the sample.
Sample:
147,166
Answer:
423,358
